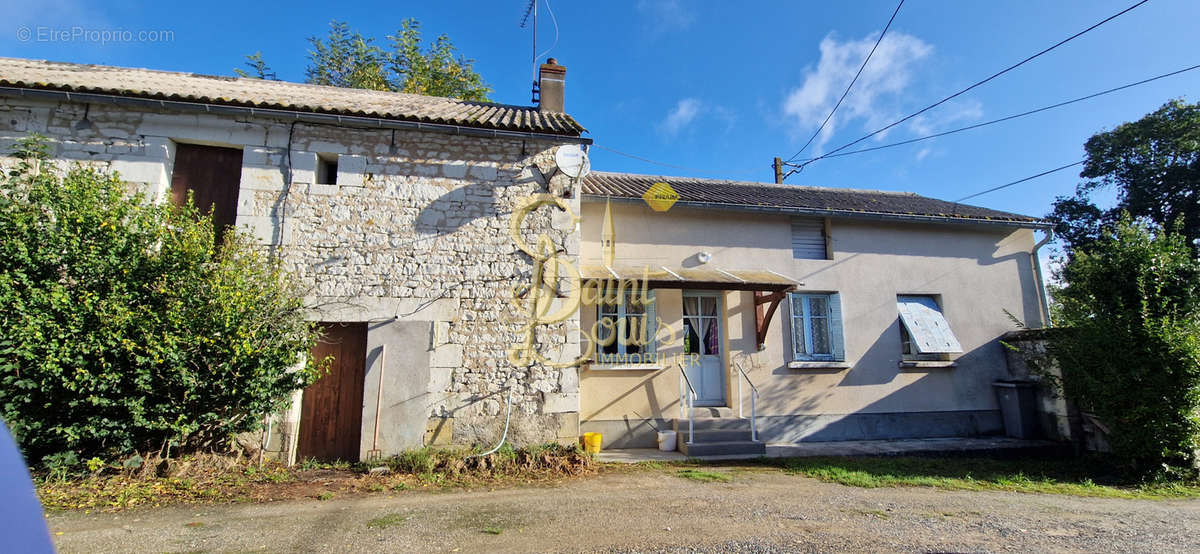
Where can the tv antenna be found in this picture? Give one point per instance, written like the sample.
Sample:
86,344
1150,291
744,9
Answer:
531,12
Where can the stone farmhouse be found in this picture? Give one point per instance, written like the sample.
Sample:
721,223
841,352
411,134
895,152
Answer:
778,313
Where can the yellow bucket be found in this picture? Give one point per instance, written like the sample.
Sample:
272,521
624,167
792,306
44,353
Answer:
592,442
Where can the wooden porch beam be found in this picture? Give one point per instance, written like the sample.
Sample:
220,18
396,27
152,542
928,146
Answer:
762,321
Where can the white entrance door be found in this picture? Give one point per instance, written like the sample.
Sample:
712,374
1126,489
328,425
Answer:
702,332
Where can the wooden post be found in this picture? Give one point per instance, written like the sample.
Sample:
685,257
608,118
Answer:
778,171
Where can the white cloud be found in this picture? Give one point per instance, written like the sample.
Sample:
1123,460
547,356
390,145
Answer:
665,15
890,71
681,116
941,118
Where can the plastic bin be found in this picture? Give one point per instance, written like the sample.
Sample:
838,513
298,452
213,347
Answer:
592,442
1018,407
667,441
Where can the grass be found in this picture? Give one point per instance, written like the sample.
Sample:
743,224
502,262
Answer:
704,476
1078,477
390,520
493,530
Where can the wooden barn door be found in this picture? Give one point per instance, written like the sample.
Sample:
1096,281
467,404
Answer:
331,411
213,175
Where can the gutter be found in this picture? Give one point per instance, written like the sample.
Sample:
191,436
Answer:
289,115
1043,294
876,216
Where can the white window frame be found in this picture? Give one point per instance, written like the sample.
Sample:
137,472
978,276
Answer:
803,317
649,353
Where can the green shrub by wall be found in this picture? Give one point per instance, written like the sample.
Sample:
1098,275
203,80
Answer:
124,328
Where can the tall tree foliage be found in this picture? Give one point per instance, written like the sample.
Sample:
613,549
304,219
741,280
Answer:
1129,345
1154,165
124,328
259,67
346,58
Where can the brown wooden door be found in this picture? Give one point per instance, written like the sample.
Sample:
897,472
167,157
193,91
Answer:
331,412
213,175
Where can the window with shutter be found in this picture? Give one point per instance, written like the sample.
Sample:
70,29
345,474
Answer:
924,331
623,326
808,239
816,327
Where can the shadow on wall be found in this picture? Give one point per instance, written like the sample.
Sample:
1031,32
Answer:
462,205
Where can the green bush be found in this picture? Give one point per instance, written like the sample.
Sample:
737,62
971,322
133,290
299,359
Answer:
124,327
1129,346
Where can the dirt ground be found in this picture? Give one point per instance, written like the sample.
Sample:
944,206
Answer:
651,511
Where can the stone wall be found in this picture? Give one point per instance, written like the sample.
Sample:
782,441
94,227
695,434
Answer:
1029,360
415,230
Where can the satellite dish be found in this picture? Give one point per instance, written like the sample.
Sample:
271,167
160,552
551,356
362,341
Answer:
572,160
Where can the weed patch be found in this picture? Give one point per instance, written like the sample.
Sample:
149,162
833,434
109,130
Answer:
390,520
704,476
206,478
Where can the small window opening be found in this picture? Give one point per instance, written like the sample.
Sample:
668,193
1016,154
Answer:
327,169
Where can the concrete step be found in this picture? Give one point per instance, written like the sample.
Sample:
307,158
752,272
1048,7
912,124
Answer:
727,448
716,435
714,411
713,423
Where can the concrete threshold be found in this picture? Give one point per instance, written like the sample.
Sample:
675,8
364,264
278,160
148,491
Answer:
954,446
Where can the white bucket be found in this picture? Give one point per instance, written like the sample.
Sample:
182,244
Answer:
666,441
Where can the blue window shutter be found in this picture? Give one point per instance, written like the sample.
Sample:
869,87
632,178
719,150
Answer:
790,324
836,338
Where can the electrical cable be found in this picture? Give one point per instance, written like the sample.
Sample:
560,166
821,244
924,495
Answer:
555,21
1014,116
1019,181
664,164
965,90
852,81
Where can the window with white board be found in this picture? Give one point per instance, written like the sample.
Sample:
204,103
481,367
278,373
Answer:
924,332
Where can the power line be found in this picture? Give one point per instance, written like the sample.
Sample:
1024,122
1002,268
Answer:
852,81
1018,181
1011,117
965,90
649,161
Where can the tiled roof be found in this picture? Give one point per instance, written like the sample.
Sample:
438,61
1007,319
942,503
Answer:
799,199
257,93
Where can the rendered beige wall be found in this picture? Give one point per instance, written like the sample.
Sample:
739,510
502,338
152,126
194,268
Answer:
979,272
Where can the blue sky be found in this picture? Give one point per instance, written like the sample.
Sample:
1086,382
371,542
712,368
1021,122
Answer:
722,87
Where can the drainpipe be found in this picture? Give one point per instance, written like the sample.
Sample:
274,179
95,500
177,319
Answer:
1043,296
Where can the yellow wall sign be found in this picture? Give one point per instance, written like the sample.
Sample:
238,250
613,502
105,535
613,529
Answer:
660,196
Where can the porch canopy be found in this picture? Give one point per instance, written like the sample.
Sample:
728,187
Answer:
769,287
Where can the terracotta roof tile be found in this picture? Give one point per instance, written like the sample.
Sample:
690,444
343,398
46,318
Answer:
798,199
235,91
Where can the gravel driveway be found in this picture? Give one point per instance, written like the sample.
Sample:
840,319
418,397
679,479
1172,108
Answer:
653,511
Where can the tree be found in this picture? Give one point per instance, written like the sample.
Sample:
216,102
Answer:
435,72
348,59
1129,343
1154,163
124,328
261,70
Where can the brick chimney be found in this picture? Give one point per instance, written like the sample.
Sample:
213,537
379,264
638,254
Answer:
552,79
